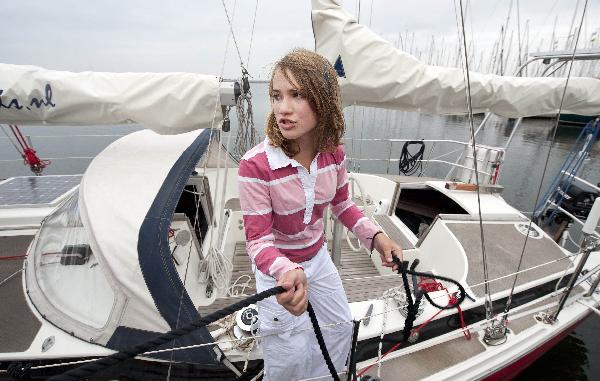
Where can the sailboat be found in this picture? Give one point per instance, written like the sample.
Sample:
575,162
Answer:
151,238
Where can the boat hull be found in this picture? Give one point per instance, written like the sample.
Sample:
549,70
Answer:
514,369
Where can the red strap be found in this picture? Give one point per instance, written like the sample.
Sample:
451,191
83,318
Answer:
30,157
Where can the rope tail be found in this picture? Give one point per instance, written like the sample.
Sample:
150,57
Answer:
129,353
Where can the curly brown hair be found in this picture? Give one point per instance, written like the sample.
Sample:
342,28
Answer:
317,80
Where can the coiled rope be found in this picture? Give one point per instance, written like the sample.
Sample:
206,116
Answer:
410,163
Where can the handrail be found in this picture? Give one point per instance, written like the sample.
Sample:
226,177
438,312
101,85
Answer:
426,161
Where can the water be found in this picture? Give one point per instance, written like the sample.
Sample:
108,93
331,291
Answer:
521,175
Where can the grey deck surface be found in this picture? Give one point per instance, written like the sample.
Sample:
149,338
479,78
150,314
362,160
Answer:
503,247
353,269
428,361
392,231
18,325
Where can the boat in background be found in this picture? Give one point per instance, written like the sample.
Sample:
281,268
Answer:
555,61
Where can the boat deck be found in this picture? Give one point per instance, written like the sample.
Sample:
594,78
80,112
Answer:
354,268
19,326
503,246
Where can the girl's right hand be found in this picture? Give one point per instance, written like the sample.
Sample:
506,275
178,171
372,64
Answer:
295,299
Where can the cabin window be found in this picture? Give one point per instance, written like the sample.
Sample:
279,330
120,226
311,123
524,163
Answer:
68,271
196,203
417,208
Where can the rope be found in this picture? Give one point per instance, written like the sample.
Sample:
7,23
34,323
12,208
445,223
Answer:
26,151
413,308
246,133
352,360
215,268
129,353
409,163
11,257
321,341
111,360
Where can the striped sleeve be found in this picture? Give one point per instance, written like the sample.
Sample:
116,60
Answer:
255,202
345,210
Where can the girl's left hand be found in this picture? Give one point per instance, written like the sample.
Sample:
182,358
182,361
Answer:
386,247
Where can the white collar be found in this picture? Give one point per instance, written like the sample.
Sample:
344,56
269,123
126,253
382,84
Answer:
277,158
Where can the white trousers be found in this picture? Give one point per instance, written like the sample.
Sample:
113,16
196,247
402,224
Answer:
289,344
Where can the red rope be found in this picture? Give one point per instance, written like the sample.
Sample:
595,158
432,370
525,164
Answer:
29,155
15,130
13,257
496,173
428,285
396,346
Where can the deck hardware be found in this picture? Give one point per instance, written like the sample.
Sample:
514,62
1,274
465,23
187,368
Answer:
544,317
414,337
496,334
48,343
399,297
594,286
591,243
527,229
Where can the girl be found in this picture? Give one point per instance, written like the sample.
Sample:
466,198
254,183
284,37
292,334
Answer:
285,184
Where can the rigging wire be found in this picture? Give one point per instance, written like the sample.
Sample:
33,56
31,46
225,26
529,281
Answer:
488,297
187,265
509,301
237,48
11,140
252,32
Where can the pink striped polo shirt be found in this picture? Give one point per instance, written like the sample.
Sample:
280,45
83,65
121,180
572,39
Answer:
283,204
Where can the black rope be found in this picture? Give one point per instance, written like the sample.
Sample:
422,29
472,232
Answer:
352,361
19,370
129,353
411,310
321,341
413,306
410,163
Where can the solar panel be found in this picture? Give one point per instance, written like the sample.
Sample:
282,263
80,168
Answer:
36,190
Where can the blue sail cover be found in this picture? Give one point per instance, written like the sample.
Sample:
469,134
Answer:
158,269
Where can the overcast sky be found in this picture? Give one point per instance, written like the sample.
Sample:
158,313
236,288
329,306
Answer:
191,35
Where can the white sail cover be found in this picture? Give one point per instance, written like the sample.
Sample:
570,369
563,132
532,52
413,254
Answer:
377,74
168,103
116,192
